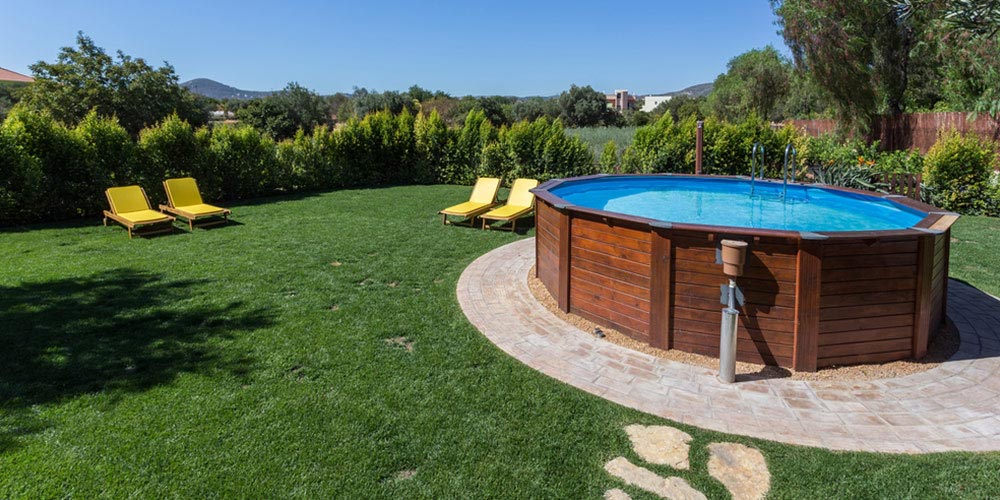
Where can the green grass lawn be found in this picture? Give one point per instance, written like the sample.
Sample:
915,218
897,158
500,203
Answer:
251,360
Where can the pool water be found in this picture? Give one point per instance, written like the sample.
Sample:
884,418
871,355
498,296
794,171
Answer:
728,202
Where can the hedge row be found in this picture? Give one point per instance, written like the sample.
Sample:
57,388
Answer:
50,172
958,170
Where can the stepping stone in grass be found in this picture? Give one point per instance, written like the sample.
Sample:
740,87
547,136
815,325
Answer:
640,477
740,468
616,494
660,445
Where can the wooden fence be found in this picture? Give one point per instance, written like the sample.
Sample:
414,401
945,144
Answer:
912,131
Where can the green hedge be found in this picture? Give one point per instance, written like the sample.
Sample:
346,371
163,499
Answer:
51,172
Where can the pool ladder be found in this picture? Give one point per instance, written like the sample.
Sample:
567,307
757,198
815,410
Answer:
754,164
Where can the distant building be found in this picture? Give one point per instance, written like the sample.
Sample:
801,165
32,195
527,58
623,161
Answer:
7,75
652,101
620,101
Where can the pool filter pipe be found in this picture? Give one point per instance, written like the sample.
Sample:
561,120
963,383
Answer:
727,339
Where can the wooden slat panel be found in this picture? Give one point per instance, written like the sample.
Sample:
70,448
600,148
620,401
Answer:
859,261
609,260
633,326
595,291
757,299
661,269
899,320
851,274
862,286
749,272
709,307
807,297
861,248
751,353
871,311
879,357
565,257
784,327
856,336
922,312
856,348
610,249
613,273
860,299
592,222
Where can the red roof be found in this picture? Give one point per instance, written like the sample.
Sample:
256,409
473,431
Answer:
7,75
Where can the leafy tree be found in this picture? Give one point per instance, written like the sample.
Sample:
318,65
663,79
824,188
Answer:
533,108
859,52
496,108
756,82
680,107
365,102
584,107
85,78
284,113
9,96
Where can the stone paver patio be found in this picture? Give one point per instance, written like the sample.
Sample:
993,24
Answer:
955,406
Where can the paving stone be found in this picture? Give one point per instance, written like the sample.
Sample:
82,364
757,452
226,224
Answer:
953,407
660,445
640,477
616,494
741,469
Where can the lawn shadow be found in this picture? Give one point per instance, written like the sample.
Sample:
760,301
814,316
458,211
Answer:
212,226
119,331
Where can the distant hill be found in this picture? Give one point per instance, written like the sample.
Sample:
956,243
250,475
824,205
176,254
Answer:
216,90
700,90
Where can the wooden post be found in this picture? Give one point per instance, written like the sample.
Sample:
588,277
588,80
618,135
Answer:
944,285
922,312
660,290
564,256
807,287
699,139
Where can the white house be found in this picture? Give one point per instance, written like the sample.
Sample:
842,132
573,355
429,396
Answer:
652,101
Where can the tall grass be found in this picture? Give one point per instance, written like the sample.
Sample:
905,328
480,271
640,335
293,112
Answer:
597,137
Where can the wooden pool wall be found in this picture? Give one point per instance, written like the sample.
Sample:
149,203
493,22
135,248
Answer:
811,300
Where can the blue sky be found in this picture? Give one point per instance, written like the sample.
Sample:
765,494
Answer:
480,48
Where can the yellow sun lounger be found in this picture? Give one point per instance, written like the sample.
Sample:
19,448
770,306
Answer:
185,202
484,197
130,208
520,203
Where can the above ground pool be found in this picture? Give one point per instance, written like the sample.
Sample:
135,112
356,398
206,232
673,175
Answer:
833,276
728,202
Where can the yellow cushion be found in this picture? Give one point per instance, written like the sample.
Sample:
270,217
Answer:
143,216
201,209
127,199
182,192
520,194
485,190
466,209
506,212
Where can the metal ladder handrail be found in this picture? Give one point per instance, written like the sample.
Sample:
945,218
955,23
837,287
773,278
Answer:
753,164
784,169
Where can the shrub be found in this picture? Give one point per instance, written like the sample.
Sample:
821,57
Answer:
70,188
959,170
956,157
174,149
108,150
542,150
434,143
609,158
21,181
244,159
